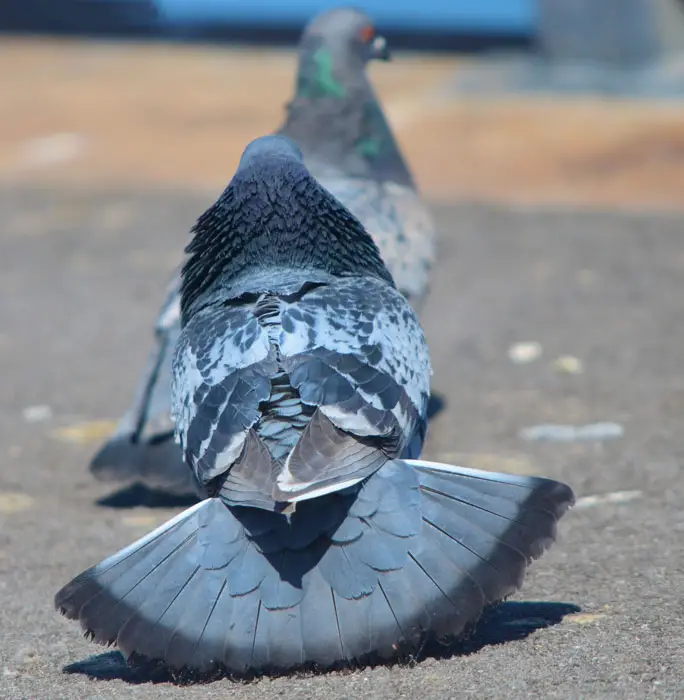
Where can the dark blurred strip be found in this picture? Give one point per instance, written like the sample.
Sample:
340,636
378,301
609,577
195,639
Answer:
142,19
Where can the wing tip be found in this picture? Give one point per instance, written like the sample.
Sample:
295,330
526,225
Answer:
293,491
561,493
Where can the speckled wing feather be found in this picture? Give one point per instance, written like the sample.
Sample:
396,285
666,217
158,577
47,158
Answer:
352,350
400,224
221,373
355,350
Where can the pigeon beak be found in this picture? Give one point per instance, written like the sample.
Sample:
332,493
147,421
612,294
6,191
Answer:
379,49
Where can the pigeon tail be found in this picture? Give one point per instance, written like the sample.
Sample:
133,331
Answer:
417,551
156,464
142,448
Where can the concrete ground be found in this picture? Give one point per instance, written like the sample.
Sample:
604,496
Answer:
84,262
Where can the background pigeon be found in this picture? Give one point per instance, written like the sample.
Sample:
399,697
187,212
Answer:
301,382
337,121
348,146
142,448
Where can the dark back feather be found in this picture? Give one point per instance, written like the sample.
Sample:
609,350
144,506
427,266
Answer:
274,216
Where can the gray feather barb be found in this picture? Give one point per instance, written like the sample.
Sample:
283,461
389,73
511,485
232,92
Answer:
256,222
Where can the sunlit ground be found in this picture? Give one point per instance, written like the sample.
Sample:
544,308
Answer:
556,336
180,115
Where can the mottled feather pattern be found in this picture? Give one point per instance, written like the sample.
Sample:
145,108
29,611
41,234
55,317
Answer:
292,234
222,370
340,127
353,348
400,224
370,321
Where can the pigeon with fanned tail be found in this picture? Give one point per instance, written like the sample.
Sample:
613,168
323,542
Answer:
300,390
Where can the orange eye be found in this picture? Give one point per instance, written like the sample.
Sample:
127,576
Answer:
367,34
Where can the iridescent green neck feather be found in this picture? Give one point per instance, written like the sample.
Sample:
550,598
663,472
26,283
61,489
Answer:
337,121
316,78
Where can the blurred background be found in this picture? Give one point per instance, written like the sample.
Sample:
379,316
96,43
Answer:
547,135
169,91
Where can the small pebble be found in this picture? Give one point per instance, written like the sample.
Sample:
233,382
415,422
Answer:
613,497
84,433
601,431
54,149
584,618
569,433
14,502
142,520
26,655
523,353
567,364
37,414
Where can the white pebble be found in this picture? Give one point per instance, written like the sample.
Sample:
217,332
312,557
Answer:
522,353
614,497
567,364
569,433
54,149
37,414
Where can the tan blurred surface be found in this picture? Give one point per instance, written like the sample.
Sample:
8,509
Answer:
180,116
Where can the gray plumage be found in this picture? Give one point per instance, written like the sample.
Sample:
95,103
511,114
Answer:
300,391
323,349
337,121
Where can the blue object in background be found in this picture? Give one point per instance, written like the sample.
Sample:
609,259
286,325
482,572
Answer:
463,16
478,19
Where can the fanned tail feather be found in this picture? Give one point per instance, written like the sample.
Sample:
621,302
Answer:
416,552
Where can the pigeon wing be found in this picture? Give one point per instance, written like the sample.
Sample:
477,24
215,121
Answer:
356,351
221,373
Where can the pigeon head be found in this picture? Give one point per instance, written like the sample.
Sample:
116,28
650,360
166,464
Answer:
269,149
274,222
334,115
334,41
333,52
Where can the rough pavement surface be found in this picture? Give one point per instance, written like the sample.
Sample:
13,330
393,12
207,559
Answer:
599,616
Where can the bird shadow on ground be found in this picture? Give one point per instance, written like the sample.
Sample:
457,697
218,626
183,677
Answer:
141,495
436,404
505,623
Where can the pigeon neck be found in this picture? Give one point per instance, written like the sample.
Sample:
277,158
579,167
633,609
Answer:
322,74
337,121
262,226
